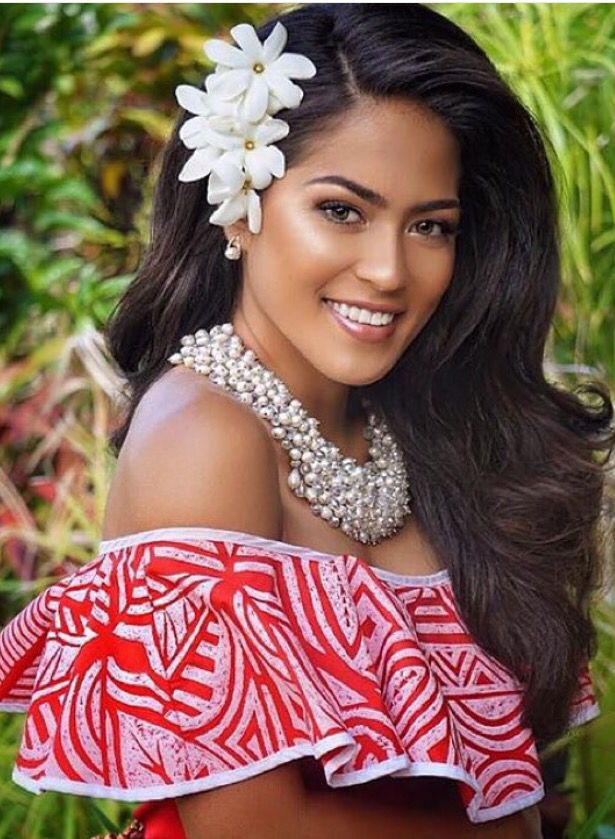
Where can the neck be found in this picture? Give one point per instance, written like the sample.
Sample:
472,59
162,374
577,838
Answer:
336,406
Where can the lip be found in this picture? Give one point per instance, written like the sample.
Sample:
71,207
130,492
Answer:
362,331
371,307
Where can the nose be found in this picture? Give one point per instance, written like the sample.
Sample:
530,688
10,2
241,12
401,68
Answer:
383,260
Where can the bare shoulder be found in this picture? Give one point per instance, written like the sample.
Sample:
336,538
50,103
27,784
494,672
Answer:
194,456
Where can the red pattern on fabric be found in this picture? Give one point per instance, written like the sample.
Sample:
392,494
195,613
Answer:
186,658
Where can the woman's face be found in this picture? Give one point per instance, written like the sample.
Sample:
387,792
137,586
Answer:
322,241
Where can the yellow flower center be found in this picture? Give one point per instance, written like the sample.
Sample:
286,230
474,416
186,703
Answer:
249,144
259,68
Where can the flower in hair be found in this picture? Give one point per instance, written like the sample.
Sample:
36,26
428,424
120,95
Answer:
228,185
243,143
232,132
257,72
210,113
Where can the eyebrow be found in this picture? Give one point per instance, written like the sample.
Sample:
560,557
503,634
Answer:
373,197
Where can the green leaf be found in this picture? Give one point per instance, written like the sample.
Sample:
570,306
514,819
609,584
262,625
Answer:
12,87
102,817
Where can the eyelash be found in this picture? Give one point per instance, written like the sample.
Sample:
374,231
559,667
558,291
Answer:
447,228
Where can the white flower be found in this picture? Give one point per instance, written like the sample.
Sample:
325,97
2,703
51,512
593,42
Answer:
239,200
232,131
207,108
216,128
197,101
245,144
257,72
249,145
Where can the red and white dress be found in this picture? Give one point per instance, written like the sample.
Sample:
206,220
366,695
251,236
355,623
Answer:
181,659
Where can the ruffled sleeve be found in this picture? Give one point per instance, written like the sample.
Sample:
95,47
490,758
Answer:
183,659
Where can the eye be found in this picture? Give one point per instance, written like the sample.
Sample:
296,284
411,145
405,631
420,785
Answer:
333,206
339,209
446,227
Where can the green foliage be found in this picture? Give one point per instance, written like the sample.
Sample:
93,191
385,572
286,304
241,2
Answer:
560,59
87,101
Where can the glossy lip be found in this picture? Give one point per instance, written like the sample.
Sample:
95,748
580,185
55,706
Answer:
363,331
372,307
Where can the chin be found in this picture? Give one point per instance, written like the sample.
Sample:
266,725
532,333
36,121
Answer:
357,381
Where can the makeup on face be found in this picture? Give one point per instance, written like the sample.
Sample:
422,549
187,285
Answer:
348,240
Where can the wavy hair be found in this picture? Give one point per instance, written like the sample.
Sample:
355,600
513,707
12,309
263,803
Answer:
507,468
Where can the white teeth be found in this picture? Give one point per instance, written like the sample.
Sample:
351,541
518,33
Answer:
362,315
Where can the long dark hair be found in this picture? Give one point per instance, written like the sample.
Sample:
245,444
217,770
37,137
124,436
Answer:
505,465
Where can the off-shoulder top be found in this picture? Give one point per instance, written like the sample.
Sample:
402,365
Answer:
184,658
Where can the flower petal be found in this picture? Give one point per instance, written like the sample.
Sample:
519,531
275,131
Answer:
256,99
192,132
192,99
198,165
274,43
254,212
222,53
272,158
236,157
221,139
289,94
223,107
271,131
257,169
274,104
229,211
226,180
229,84
294,65
245,35
229,125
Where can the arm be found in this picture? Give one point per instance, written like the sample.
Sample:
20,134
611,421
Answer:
212,463
275,804
336,816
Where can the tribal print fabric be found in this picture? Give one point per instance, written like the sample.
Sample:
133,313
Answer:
181,659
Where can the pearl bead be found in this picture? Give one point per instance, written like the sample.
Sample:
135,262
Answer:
369,502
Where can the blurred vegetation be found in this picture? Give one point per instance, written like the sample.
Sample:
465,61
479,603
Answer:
86,97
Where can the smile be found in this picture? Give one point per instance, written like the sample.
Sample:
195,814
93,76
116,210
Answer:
363,331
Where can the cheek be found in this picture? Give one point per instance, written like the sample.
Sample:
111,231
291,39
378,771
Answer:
315,243
434,271
299,250
434,262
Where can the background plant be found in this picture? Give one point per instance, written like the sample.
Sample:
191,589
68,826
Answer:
86,97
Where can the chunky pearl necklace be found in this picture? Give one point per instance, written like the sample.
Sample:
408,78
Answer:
368,502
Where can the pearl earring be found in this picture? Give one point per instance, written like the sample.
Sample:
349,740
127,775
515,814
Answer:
233,248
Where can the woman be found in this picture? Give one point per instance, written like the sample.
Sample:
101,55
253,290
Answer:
350,545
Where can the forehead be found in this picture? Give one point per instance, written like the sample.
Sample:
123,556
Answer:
394,144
